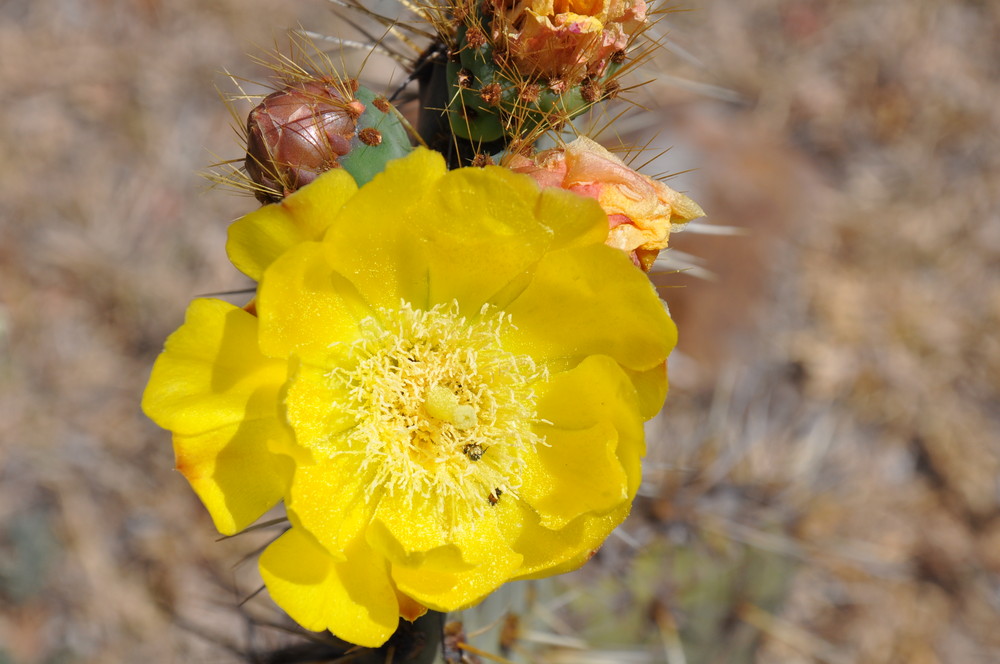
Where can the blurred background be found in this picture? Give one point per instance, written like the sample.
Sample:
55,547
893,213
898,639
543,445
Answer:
823,483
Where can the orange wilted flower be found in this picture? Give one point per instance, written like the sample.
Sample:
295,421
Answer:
569,39
641,211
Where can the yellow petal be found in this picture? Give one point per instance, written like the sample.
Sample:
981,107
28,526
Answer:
547,552
234,472
451,590
591,300
481,235
651,386
471,235
594,442
576,220
328,495
416,526
306,308
212,387
329,499
578,473
258,238
444,566
373,241
209,369
354,598
572,221
318,411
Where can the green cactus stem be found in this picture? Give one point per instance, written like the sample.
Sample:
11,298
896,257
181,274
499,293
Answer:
490,100
380,138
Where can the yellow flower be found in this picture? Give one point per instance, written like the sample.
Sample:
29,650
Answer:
641,211
444,380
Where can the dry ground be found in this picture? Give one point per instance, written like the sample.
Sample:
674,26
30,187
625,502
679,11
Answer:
823,485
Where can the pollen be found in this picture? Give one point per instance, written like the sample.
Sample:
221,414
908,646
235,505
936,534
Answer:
444,412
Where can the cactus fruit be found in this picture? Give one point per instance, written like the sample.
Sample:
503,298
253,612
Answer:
311,126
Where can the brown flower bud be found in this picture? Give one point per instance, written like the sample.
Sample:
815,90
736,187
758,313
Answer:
297,133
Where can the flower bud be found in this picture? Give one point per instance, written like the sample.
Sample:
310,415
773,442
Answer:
641,210
297,133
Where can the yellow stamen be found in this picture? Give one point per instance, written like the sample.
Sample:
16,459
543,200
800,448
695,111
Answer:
443,412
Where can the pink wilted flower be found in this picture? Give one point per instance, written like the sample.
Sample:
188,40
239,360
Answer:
641,210
567,39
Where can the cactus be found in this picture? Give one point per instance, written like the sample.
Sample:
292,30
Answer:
491,100
516,70
381,137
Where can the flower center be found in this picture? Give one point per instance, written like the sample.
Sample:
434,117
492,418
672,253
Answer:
443,411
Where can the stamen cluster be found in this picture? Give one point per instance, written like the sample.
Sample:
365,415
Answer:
443,411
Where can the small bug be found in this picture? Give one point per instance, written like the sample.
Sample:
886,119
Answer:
494,496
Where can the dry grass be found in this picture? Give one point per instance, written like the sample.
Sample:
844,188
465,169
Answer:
823,486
